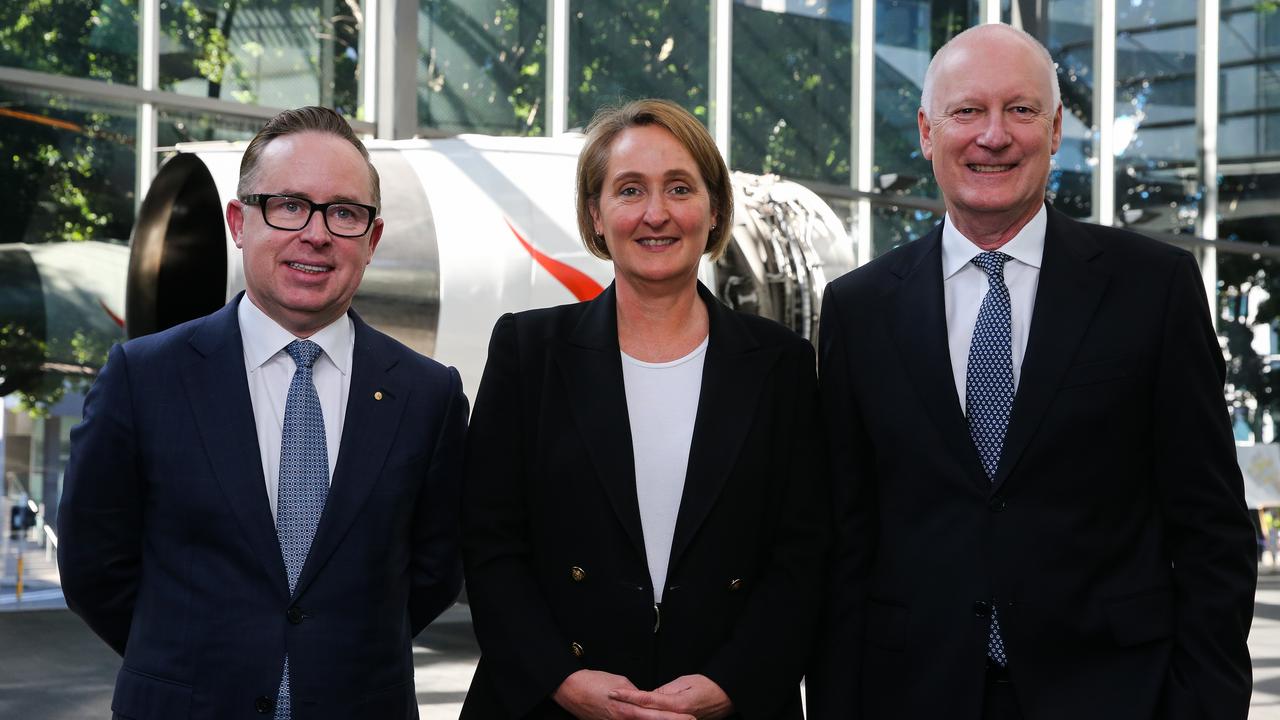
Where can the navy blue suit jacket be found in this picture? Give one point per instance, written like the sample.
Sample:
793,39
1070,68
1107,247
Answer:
1114,539
169,552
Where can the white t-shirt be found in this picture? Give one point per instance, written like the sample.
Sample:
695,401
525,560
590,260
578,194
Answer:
662,403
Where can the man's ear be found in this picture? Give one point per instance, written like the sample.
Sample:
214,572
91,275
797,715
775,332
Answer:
926,134
235,220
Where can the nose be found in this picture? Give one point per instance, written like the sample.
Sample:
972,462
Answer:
315,231
995,133
655,211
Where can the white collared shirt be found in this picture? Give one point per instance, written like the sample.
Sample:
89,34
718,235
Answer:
964,285
270,370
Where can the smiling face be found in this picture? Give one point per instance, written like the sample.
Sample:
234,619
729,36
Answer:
653,209
304,279
990,131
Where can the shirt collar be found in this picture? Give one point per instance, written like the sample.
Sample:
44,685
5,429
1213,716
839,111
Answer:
263,337
1027,247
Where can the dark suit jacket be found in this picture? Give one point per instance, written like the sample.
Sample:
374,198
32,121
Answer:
551,487
1114,539
168,550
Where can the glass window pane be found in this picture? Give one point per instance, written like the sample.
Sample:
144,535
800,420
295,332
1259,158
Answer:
1155,134
627,49
792,89
67,166
97,40
908,33
1249,211
181,126
1069,32
280,53
481,66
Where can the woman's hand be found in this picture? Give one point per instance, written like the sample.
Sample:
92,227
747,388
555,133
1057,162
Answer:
590,695
690,695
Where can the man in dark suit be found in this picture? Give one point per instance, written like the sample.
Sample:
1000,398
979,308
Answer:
260,509
1039,509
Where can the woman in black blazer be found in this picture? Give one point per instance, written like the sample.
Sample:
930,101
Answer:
644,527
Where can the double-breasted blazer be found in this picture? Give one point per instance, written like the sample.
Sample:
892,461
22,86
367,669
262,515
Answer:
168,549
1114,541
555,558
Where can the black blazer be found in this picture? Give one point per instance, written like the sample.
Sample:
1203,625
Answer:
169,552
1114,539
555,558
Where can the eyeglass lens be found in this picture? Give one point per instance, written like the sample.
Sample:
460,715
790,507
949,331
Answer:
289,213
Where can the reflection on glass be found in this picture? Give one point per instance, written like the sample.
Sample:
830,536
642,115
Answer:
281,53
908,33
1157,188
1249,211
481,66
69,167
176,126
622,50
791,89
1069,37
87,39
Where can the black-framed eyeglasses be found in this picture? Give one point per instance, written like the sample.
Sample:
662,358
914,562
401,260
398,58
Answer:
286,212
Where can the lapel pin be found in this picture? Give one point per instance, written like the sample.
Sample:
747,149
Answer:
377,395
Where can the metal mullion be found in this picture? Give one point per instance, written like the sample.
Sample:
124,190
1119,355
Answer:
1208,34
131,95
149,82
861,137
1104,108
557,64
721,74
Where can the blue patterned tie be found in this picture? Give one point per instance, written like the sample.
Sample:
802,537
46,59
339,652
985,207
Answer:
304,479
989,390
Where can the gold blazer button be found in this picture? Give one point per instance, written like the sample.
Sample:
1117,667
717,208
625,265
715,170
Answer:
576,649
577,573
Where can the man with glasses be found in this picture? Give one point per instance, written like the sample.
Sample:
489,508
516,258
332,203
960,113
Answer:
261,506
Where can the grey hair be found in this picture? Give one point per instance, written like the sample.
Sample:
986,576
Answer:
926,89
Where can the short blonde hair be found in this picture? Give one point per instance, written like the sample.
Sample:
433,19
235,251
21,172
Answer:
592,163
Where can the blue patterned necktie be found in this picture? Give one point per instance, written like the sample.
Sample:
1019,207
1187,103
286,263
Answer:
989,390
304,479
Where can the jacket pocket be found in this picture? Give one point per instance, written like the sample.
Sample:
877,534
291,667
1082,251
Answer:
139,694
1141,619
886,625
1095,372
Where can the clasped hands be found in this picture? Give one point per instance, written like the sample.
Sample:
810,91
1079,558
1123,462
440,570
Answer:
596,695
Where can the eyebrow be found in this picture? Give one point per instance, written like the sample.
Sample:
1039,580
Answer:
336,198
668,175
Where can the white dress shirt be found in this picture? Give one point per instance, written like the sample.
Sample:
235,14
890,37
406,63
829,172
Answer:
662,404
964,285
270,370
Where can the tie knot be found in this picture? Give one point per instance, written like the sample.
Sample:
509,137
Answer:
303,352
992,263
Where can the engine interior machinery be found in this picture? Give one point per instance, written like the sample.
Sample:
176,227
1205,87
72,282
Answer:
476,226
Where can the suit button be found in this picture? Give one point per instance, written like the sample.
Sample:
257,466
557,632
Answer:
982,608
263,705
735,584
576,649
295,615
577,573
997,504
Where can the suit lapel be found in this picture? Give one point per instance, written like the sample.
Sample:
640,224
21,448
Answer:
1067,297
919,329
591,366
218,390
374,406
733,375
